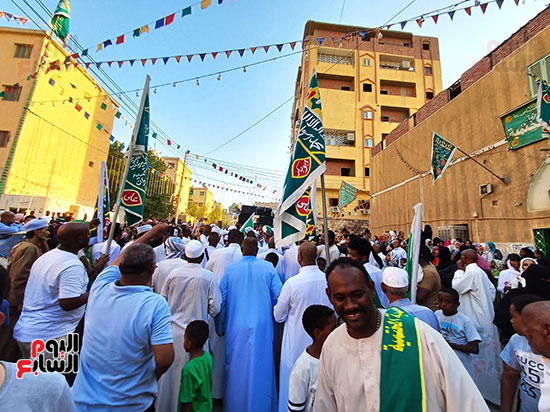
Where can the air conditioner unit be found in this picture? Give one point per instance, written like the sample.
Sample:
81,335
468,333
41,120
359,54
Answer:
485,189
350,137
366,62
406,64
335,209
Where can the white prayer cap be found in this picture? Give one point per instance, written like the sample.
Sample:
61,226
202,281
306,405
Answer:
144,229
231,227
36,224
194,249
217,230
395,277
249,229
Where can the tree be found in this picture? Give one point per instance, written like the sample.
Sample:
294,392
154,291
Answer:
217,213
158,206
196,211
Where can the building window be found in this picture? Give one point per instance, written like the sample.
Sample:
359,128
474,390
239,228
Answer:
367,87
22,51
367,114
200,204
4,138
382,91
385,118
172,165
536,71
426,46
191,192
201,193
12,93
368,142
345,171
346,88
367,62
428,70
367,171
333,201
334,59
429,95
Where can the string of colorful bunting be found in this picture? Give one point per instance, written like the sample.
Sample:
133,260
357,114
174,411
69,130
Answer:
156,24
10,16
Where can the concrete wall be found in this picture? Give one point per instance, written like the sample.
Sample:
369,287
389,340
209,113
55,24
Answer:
494,86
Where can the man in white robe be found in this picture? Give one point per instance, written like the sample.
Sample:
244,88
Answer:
307,288
290,258
476,301
350,364
218,262
174,250
280,267
192,294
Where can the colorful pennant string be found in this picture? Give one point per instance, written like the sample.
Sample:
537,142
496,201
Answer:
10,17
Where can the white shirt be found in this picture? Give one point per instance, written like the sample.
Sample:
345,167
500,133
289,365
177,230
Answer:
160,253
162,271
396,255
299,292
544,402
55,275
99,249
376,276
280,268
303,383
333,250
290,259
508,278
222,258
349,374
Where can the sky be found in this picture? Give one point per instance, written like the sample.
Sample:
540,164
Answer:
201,118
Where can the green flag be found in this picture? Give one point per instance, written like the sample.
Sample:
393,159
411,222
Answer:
543,104
61,18
413,249
249,223
347,194
133,194
102,212
442,154
307,164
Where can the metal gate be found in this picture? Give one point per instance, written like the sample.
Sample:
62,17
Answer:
542,240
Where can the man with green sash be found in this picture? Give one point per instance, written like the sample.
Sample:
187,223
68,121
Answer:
386,360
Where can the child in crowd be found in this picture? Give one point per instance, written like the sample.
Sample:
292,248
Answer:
319,321
403,263
520,361
321,263
196,377
456,328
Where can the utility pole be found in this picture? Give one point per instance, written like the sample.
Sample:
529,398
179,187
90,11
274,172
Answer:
181,185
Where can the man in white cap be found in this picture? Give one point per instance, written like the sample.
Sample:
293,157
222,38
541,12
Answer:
11,233
174,258
192,294
395,284
218,262
22,257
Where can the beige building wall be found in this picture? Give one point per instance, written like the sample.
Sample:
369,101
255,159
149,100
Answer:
181,175
496,85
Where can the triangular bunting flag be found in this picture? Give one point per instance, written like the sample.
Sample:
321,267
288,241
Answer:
205,4
202,56
253,49
435,18
165,60
110,63
241,52
517,2
483,7
403,23
214,55
88,64
266,48
419,22
132,62
320,40
292,45
388,26
120,63
499,3
169,19
120,39
143,62
468,11
190,57
280,47
153,60
178,58
451,14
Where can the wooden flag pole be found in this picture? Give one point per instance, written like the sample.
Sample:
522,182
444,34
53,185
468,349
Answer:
502,179
325,219
126,168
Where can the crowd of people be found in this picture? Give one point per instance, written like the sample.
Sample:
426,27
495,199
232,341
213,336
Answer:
191,317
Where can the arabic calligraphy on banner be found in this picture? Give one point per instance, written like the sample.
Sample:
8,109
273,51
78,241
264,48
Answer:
522,126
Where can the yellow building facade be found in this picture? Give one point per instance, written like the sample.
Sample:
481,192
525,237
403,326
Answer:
201,196
181,175
477,114
369,82
54,127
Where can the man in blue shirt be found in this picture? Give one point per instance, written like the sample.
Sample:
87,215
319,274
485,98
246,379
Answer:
128,340
11,234
395,284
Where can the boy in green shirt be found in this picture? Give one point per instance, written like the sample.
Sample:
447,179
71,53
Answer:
196,377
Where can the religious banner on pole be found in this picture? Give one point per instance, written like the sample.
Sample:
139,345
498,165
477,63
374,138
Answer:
249,223
442,154
413,250
103,206
60,20
543,104
347,194
307,164
133,194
